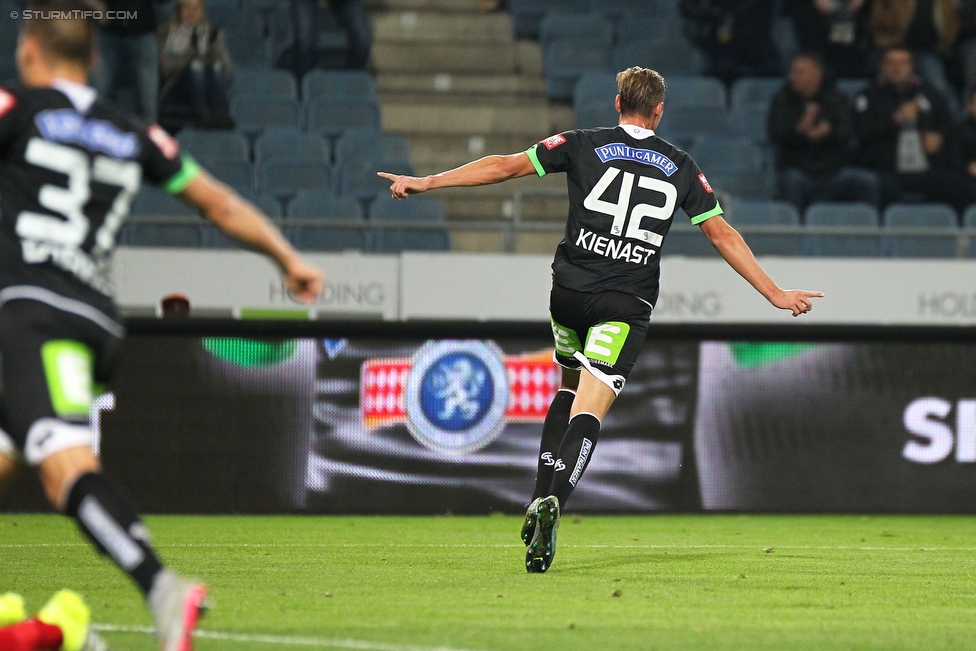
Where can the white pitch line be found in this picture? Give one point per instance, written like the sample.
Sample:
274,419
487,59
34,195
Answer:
515,546
287,640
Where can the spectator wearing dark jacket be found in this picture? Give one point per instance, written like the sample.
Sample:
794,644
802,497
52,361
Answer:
964,141
736,36
811,125
902,123
837,30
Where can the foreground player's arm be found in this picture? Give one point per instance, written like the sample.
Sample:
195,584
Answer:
737,253
245,223
484,171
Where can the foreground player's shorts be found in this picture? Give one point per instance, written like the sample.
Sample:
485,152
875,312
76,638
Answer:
602,332
52,362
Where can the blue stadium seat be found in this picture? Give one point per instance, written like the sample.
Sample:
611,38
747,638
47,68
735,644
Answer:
754,213
751,212
733,165
638,24
614,9
667,56
283,177
748,122
358,178
859,217
559,26
590,116
338,83
369,144
936,217
685,239
280,32
755,91
153,202
254,114
694,91
330,115
139,232
263,83
209,145
566,60
244,35
270,206
527,14
329,238
686,125
393,239
290,142
237,174
323,204
597,87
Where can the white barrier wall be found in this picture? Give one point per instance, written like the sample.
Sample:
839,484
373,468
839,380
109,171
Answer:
516,287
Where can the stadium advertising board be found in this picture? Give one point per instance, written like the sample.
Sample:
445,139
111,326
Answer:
391,421
499,287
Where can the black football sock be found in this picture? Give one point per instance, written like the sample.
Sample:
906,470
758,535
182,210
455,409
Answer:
553,429
114,527
574,455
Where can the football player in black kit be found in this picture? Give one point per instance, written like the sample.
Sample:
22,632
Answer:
625,184
69,167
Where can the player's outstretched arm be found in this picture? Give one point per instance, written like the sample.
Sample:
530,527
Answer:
246,224
484,171
737,253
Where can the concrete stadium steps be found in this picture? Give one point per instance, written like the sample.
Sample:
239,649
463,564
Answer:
433,119
439,56
446,6
453,79
427,27
450,87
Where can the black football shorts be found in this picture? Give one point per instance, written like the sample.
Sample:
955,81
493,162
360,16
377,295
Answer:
53,359
601,332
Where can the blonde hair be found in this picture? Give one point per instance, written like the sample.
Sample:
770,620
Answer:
641,90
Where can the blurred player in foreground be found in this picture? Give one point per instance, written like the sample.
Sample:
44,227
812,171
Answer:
625,185
69,167
63,624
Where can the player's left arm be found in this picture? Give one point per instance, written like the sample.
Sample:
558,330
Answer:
484,171
737,253
246,224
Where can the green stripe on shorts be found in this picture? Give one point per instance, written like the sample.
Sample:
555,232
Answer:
605,341
69,367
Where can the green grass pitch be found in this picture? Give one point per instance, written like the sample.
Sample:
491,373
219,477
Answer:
459,583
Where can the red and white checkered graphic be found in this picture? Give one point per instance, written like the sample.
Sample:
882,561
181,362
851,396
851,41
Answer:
532,382
381,390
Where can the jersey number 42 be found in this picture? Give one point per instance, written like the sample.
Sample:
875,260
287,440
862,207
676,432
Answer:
622,226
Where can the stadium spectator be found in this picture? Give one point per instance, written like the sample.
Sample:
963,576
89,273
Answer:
351,15
63,624
928,28
901,123
195,68
964,141
605,272
837,30
966,52
811,124
128,56
69,163
736,36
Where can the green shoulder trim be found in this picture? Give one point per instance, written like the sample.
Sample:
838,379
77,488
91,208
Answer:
182,178
534,157
717,210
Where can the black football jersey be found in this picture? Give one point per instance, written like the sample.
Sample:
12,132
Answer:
625,185
70,165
